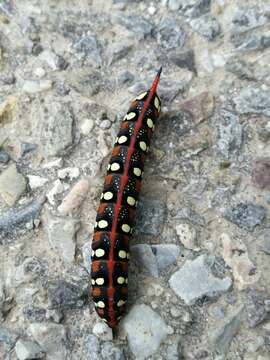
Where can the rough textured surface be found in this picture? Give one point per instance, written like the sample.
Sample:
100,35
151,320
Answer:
67,73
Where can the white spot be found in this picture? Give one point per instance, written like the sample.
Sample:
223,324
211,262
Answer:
126,280
116,140
127,255
95,224
122,254
99,281
101,304
100,252
101,196
115,167
150,123
126,228
93,282
121,280
143,145
141,96
121,303
137,171
102,224
108,195
131,201
156,103
108,167
122,139
93,253
119,318
130,116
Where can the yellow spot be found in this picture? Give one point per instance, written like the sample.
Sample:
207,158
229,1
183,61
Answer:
137,171
149,123
93,282
93,253
115,167
101,304
122,139
126,280
121,303
122,254
130,116
141,96
100,252
131,201
143,145
126,228
156,103
99,281
121,280
108,195
102,224
101,196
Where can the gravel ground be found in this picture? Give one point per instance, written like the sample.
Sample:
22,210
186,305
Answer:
199,270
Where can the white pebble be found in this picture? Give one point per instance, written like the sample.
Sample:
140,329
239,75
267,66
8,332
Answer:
103,331
36,181
87,126
70,172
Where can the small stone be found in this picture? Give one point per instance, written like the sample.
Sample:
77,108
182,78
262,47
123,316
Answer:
118,51
39,72
61,234
36,181
54,61
27,349
36,86
145,330
223,332
190,8
57,188
166,255
255,307
103,331
89,47
246,215
87,256
184,59
54,163
4,157
111,352
75,197
7,338
134,23
87,126
195,280
69,172
187,235
91,347
143,254
261,173
207,26
229,136
264,241
51,338
105,124
201,107
27,147
12,185
126,77
169,34
236,257
150,216
240,68
7,107
253,100
64,295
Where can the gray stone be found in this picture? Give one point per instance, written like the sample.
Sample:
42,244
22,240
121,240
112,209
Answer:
118,51
195,280
166,255
246,215
91,348
110,352
229,134
264,241
169,34
187,213
250,42
126,77
256,309
151,215
103,331
134,23
61,235
253,100
27,349
34,314
8,338
36,86
191,8
89,47
169,89
145,330
51,338
7,7
86,82
144,256
240,68
207,26
187,235
261,173
64,295
12,185
223,332
248,18
56,128
27,147
184,59
4,157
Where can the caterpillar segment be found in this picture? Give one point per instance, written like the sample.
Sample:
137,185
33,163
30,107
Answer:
114,221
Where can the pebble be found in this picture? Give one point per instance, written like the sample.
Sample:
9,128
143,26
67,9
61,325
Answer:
91,348
36,182
253,100
126,77
74,198
8,338
101,330
87,256
223,332
61,234
264,241
4,157
118,51
87,126
105,124
27,147
51,338
261,173
195,280
201,106
64,295
190,8
170,35
183,59
255,307
27,349
166,255
111,352
134,23
150,217
246,215
54,163
12,185
229,134
7,107
187,235
69,172
89,47
54,61
36,86
144,256
207,26
236,257
58,188
145,330
240,68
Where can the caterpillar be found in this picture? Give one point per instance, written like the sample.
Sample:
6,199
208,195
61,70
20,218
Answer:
114,220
